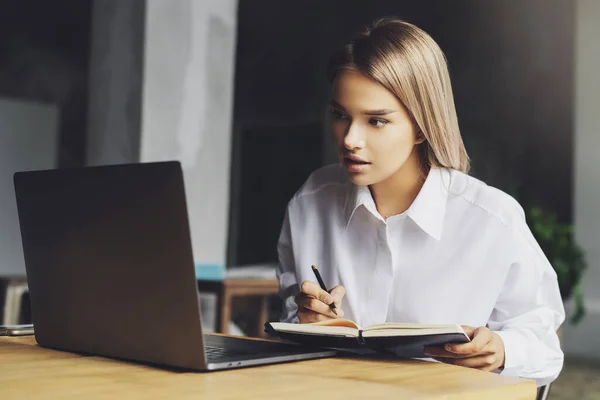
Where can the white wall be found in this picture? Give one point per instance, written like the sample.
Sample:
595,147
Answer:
188,108
583,340
28,140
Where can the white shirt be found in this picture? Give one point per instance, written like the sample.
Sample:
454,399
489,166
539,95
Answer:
461,254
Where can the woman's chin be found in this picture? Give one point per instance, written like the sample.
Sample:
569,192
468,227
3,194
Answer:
360,179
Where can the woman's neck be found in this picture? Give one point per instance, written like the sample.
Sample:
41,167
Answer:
395,195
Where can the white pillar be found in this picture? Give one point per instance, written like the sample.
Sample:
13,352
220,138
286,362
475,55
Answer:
189,67
115,82
161,88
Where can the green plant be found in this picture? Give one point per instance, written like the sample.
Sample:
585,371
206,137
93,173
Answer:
558,244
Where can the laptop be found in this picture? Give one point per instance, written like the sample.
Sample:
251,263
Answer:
111,272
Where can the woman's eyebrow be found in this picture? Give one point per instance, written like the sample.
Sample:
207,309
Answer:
384,111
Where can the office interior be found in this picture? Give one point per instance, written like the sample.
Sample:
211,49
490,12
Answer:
236,91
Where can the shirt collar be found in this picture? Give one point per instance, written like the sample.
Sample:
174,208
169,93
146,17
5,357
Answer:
359,195
429,208
427,211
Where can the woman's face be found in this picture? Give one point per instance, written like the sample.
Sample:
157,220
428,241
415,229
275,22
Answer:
374,133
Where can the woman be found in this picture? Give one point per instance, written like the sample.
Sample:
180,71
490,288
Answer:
402,233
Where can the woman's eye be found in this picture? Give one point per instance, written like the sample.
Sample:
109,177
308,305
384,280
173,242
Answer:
378,122
337,114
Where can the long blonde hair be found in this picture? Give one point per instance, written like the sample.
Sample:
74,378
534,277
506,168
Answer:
408,62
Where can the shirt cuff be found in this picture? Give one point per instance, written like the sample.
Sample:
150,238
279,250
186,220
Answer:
514,353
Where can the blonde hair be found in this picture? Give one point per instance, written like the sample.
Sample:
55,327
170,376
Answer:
408,62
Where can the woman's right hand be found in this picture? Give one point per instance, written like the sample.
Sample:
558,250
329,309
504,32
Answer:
313,302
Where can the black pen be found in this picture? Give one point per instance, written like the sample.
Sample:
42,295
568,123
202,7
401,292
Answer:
322,284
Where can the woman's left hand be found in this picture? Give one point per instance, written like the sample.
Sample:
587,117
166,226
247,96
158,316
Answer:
485,351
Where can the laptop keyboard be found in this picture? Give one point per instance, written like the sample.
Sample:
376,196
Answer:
228,349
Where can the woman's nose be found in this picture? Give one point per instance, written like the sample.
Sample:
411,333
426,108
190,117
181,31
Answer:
353,139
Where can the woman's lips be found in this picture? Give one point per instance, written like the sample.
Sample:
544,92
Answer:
355,164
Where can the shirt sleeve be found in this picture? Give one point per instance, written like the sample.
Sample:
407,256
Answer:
529,312
286,272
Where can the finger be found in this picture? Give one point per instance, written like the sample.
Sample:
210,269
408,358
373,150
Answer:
481,337
483,362
314,290
338,294
441,353
316,305
303,302
469,330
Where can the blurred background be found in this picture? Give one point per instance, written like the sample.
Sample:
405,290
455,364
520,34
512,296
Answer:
236,91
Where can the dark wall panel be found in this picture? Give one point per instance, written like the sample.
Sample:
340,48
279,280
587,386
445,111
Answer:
512,69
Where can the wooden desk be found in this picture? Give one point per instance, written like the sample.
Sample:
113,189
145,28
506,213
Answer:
31,372
229,288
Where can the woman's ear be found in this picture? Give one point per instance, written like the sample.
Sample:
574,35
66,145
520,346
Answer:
420,137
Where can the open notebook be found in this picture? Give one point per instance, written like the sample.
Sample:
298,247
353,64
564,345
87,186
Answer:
404,339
